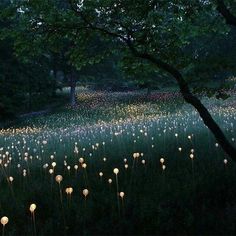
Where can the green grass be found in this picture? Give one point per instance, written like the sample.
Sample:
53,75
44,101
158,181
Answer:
188,197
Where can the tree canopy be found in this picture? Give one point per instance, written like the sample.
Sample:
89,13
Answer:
188,41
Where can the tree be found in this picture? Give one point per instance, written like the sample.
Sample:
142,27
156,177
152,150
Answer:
49,27
156,31
24,84
162,33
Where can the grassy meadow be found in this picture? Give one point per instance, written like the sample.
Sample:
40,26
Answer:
119,163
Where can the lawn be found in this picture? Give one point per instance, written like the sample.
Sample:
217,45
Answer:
172,177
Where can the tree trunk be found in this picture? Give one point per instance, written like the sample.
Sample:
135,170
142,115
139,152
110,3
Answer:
30,95
149,90
54,73
72,90
210,123
195,102
72,95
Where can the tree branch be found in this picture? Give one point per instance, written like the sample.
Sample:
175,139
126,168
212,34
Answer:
191,99
93,26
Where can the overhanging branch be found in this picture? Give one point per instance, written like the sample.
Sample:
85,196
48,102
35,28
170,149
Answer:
93,26
185,91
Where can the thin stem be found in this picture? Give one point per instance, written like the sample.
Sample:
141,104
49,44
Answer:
34,225
117,193
60,193
3,230
193,174
63,214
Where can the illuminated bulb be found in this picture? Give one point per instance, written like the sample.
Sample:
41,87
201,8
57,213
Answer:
11,179
76,167
180,149
84,165
100,174
58,178
69,190
191,156
126,166
122,194
225,161
4,220
143,162
162,160
32,207
85,192
163,167
109,181
45,166
104,159
116,171
50,171
81,160
54,164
